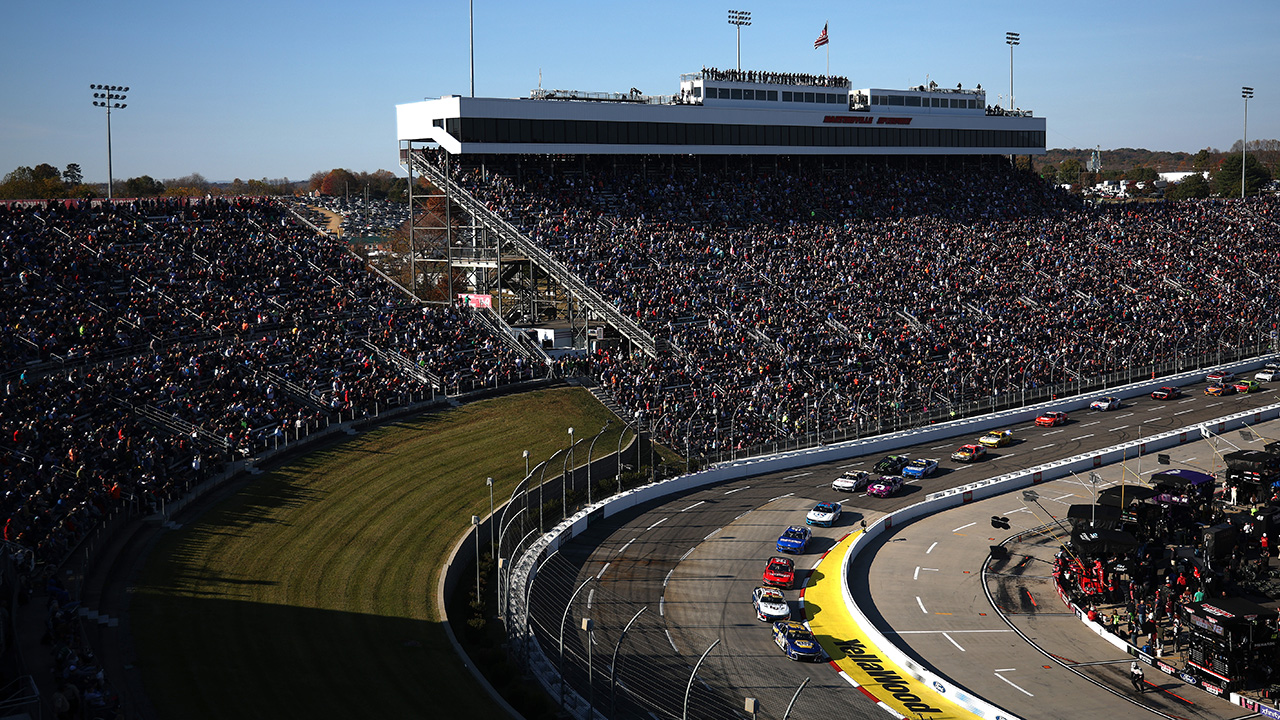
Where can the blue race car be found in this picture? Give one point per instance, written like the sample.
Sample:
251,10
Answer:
920,468
796,641
794,539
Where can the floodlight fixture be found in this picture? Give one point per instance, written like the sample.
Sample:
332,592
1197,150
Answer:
1246,93
1011,39
739,18
108,100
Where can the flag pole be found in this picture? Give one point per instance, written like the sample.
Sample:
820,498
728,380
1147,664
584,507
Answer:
825,25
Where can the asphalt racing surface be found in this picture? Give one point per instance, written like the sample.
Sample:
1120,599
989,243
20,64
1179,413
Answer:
688,565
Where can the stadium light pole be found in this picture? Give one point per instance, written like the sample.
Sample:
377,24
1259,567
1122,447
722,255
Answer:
106,97
740,18
1246,93
471,42
1011,39
492,548
564,476
475,529
591,448
621,434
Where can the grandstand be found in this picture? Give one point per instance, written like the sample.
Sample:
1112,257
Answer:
772,281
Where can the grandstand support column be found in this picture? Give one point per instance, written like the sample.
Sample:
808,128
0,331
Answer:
448,230
413,250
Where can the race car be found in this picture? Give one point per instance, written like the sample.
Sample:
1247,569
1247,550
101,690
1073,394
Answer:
1220,390
1268,373
1247,386
824,514
770,604
796,641
920,468
1221,377
996,438
1051,418
969,453
1166,393
852,481
1104,404
794,539
779,572
886,485
890,464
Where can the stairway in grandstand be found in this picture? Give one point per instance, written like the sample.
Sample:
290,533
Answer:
513,237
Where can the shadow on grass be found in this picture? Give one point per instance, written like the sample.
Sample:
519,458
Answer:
206,657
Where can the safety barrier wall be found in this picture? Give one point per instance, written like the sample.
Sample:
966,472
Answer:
964,494
967,426
524,570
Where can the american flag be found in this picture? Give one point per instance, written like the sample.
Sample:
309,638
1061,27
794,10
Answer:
822,39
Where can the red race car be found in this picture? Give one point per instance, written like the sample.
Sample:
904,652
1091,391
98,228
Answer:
1051,418
1166,393
780,572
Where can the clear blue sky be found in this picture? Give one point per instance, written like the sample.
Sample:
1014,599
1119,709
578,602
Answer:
284,88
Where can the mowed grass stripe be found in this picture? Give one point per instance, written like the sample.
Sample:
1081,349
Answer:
311,591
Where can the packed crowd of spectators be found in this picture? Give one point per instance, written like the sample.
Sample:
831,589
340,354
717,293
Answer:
789,292
147,342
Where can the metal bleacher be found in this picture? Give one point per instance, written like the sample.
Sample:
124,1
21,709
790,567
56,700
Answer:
514,238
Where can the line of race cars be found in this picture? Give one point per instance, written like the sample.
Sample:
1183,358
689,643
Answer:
891,472
889,475
770,603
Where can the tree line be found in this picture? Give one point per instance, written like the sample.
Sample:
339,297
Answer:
46,182
1261,164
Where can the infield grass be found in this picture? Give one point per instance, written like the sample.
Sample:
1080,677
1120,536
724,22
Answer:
310,592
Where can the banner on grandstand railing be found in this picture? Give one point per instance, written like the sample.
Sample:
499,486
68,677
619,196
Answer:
475,300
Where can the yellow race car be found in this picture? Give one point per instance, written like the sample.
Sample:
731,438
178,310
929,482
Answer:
997,438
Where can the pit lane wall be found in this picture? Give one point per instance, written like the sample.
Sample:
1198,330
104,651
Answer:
937,502
524,569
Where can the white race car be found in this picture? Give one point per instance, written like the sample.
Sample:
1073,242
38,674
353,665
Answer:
1104,404
770,604
852,481
823,514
